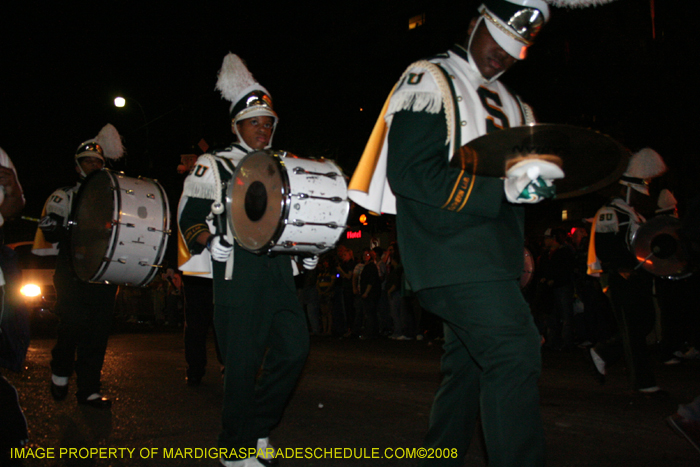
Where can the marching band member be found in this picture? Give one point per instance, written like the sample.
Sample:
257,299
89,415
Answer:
85,309
11,195
260,325
629,286
13,424
461,236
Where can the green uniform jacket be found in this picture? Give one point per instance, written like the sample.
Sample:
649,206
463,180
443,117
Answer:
481,242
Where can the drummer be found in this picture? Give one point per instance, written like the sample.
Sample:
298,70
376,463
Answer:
630,287
85,309
257,316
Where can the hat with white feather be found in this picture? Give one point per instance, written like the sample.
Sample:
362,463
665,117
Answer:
248,98
107,144
642,167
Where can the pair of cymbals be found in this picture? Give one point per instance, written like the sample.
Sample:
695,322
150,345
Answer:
590,160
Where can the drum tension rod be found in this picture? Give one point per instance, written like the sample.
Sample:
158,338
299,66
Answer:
301,223
300,170
335,199
289,244
153,229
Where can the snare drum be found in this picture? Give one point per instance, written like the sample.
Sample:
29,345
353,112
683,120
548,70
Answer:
118,229
281,203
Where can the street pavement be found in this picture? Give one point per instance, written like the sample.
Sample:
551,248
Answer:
358,403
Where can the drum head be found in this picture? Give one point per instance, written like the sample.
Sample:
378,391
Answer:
92,229
256,200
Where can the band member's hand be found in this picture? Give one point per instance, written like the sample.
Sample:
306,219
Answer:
50,222
528,187
219,248
310,263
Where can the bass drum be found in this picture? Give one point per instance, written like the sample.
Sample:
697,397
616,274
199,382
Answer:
118,229
528,269
281,203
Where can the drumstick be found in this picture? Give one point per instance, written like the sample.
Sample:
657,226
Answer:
32,219
218,209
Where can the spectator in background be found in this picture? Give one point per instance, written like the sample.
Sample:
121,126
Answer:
355,328
400,313
325,285
173,298
371,292
345,269
557,266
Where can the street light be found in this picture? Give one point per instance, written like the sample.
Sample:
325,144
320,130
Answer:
120,102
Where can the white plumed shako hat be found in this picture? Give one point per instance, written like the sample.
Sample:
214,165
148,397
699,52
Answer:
642,167
248,98
107,144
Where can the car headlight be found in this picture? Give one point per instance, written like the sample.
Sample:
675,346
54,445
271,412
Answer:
30,290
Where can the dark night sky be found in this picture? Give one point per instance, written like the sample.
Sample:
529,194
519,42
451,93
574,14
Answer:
329,70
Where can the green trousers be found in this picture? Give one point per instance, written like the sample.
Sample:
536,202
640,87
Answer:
491,368
264,342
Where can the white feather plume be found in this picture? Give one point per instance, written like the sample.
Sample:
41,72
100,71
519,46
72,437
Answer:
666,200
111,142
577,3
646,164
234,77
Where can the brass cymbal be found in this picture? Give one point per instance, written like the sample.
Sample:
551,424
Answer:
590,160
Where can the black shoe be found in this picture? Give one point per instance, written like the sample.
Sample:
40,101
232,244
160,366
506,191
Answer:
99,403
58,393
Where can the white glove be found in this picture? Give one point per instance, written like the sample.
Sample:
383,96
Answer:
219,248
529,187
310,263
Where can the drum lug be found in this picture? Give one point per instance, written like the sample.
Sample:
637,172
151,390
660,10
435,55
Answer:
334,199
153,229
301,223
295,223
301,170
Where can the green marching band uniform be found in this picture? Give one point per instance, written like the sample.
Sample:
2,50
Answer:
461,239
260,325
